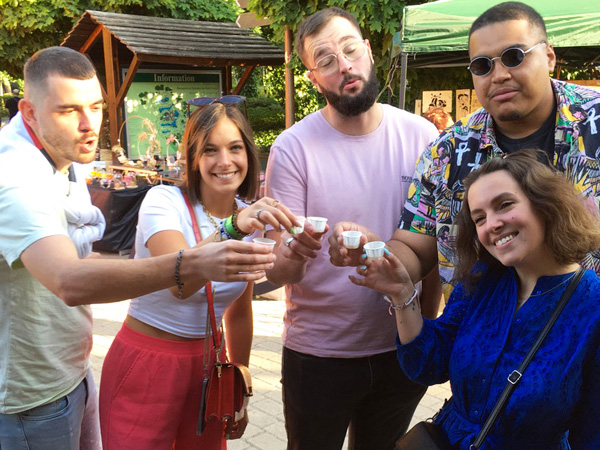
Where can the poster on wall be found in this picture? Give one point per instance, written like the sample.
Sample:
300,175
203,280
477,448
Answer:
434,99
156,109
463,103
475,105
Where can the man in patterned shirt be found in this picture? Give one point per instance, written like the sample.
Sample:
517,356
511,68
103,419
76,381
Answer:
522,108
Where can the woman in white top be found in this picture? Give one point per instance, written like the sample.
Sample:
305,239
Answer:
152,375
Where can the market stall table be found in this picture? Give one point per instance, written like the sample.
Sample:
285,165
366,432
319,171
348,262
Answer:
120,208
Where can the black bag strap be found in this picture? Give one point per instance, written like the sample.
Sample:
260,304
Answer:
515,375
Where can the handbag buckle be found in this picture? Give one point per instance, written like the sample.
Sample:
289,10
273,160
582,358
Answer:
514,377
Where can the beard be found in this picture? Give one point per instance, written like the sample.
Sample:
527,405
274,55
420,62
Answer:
353,105
511,116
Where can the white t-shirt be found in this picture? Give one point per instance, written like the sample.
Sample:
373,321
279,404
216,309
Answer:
317,171
163,209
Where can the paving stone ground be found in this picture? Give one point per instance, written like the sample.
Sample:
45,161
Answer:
266,429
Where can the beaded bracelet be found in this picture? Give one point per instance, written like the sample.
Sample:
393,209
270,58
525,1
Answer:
234,223
403,305
178,282
222,234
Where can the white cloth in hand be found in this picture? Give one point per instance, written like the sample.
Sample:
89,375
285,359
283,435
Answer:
86,224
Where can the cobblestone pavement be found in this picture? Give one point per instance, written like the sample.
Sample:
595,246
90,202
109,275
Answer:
266,429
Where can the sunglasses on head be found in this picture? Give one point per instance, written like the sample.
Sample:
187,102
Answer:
510,58
225,100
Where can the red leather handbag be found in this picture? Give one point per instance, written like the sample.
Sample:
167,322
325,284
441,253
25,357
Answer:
226,388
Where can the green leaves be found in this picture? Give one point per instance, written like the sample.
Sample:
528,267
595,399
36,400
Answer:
379,20
30,25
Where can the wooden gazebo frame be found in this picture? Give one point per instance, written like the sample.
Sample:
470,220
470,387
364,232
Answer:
114,40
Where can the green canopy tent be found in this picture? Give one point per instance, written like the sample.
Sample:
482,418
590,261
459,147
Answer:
436,34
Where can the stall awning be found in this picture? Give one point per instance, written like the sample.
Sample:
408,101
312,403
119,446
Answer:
436,34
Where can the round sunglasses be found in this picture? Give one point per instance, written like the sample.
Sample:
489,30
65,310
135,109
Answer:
510,58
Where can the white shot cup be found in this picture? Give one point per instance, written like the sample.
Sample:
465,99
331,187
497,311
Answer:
265,241
374,249
318,223
351,239
300,229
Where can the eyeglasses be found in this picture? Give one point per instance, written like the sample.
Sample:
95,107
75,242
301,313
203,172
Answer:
330,63
510,58
225,100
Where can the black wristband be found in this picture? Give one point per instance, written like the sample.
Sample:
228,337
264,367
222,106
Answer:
178,282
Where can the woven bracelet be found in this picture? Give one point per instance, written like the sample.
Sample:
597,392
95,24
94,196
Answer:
234,223
178,282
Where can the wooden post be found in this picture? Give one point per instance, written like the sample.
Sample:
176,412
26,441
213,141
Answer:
289,80
228,80
243,79
403,71
133,67
111,86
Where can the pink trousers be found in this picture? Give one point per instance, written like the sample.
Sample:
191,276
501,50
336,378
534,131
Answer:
150,395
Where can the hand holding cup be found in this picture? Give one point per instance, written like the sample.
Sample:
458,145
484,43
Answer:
343,250
266,211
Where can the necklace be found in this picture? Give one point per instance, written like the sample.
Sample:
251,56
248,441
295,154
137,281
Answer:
520,301
210,216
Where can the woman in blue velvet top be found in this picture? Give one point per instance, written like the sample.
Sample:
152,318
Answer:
522,231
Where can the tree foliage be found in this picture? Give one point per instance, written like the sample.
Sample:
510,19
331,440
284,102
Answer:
29,25
378,19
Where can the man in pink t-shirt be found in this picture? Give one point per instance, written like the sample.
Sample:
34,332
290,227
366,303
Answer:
351,161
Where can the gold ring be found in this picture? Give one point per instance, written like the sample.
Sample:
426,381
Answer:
257,214
275,203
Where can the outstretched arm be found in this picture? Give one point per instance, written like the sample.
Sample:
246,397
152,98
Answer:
53,261
417,252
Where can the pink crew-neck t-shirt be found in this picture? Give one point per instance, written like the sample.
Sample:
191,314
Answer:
317,171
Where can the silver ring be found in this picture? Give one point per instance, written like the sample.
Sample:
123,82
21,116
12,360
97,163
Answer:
288,241
257,214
